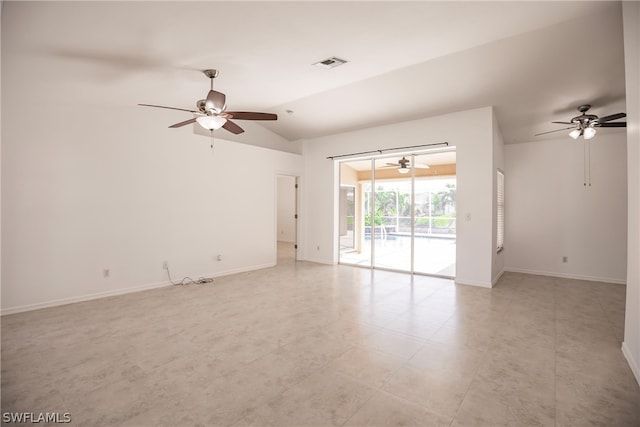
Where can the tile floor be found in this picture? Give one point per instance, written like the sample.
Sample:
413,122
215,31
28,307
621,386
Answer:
304,344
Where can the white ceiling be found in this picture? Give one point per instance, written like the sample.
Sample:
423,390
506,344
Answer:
534,61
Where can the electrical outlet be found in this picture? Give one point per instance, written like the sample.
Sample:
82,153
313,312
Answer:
565,259
318,247
106,272
219,257
165,265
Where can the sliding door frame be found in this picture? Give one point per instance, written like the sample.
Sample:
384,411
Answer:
372,201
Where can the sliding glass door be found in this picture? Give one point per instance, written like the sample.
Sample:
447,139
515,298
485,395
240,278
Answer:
398,213
392,245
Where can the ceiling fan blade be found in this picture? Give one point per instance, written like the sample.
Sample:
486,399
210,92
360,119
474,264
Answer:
611,117
611,125
232,127
420,166
216,100
168,108
248,115
393,164
186,122
563,123
557,130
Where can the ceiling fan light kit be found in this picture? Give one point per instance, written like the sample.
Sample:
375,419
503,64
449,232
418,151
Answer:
212,114
575,133
586,133
211,122
589,132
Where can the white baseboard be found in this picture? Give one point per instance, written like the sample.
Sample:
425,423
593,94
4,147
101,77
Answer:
115,292
459,281
633,364
318,261
241,270
495,279
81,298
568,276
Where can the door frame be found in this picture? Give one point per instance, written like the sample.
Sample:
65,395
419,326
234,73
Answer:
296,228
371,264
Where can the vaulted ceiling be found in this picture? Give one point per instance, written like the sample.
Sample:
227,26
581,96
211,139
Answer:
534,61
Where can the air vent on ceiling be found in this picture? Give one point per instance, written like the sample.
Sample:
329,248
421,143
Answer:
330,62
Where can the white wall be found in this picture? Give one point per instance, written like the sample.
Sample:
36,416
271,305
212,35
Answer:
116,189
551,214
471,132
286,208
631,345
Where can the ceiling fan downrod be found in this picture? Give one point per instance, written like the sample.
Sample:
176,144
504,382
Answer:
212,74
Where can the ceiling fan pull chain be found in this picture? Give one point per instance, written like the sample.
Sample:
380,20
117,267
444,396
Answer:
212,141
589,160
584,163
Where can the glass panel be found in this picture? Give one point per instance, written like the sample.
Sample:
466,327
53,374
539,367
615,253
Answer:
355,248
392,237
377,231
435,223
347,218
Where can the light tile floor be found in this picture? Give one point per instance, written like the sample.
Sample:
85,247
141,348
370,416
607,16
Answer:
304,344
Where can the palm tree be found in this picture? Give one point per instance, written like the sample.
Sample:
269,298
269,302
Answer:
448,197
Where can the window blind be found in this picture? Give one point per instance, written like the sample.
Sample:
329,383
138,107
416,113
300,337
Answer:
500,211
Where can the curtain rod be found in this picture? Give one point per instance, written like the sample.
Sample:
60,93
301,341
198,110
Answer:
386,149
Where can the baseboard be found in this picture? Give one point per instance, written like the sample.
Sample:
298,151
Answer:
495,279
318,261
82,298
242,270
98,295
568,276
633,364
465,282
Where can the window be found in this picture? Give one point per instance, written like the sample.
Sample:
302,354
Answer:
500,210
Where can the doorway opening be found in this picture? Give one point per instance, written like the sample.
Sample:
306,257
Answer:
286,219
399,213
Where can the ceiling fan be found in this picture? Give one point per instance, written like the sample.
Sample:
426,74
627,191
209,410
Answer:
404,165
212,112
585,124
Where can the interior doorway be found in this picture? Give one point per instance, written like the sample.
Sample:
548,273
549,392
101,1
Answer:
286,218
402,210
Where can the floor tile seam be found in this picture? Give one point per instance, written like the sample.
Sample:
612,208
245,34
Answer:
386,353
604,312
439,329
375,390
348,347
474,379
385,381
408,335
420,405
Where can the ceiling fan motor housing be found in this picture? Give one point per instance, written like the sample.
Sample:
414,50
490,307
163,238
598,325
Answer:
212,74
